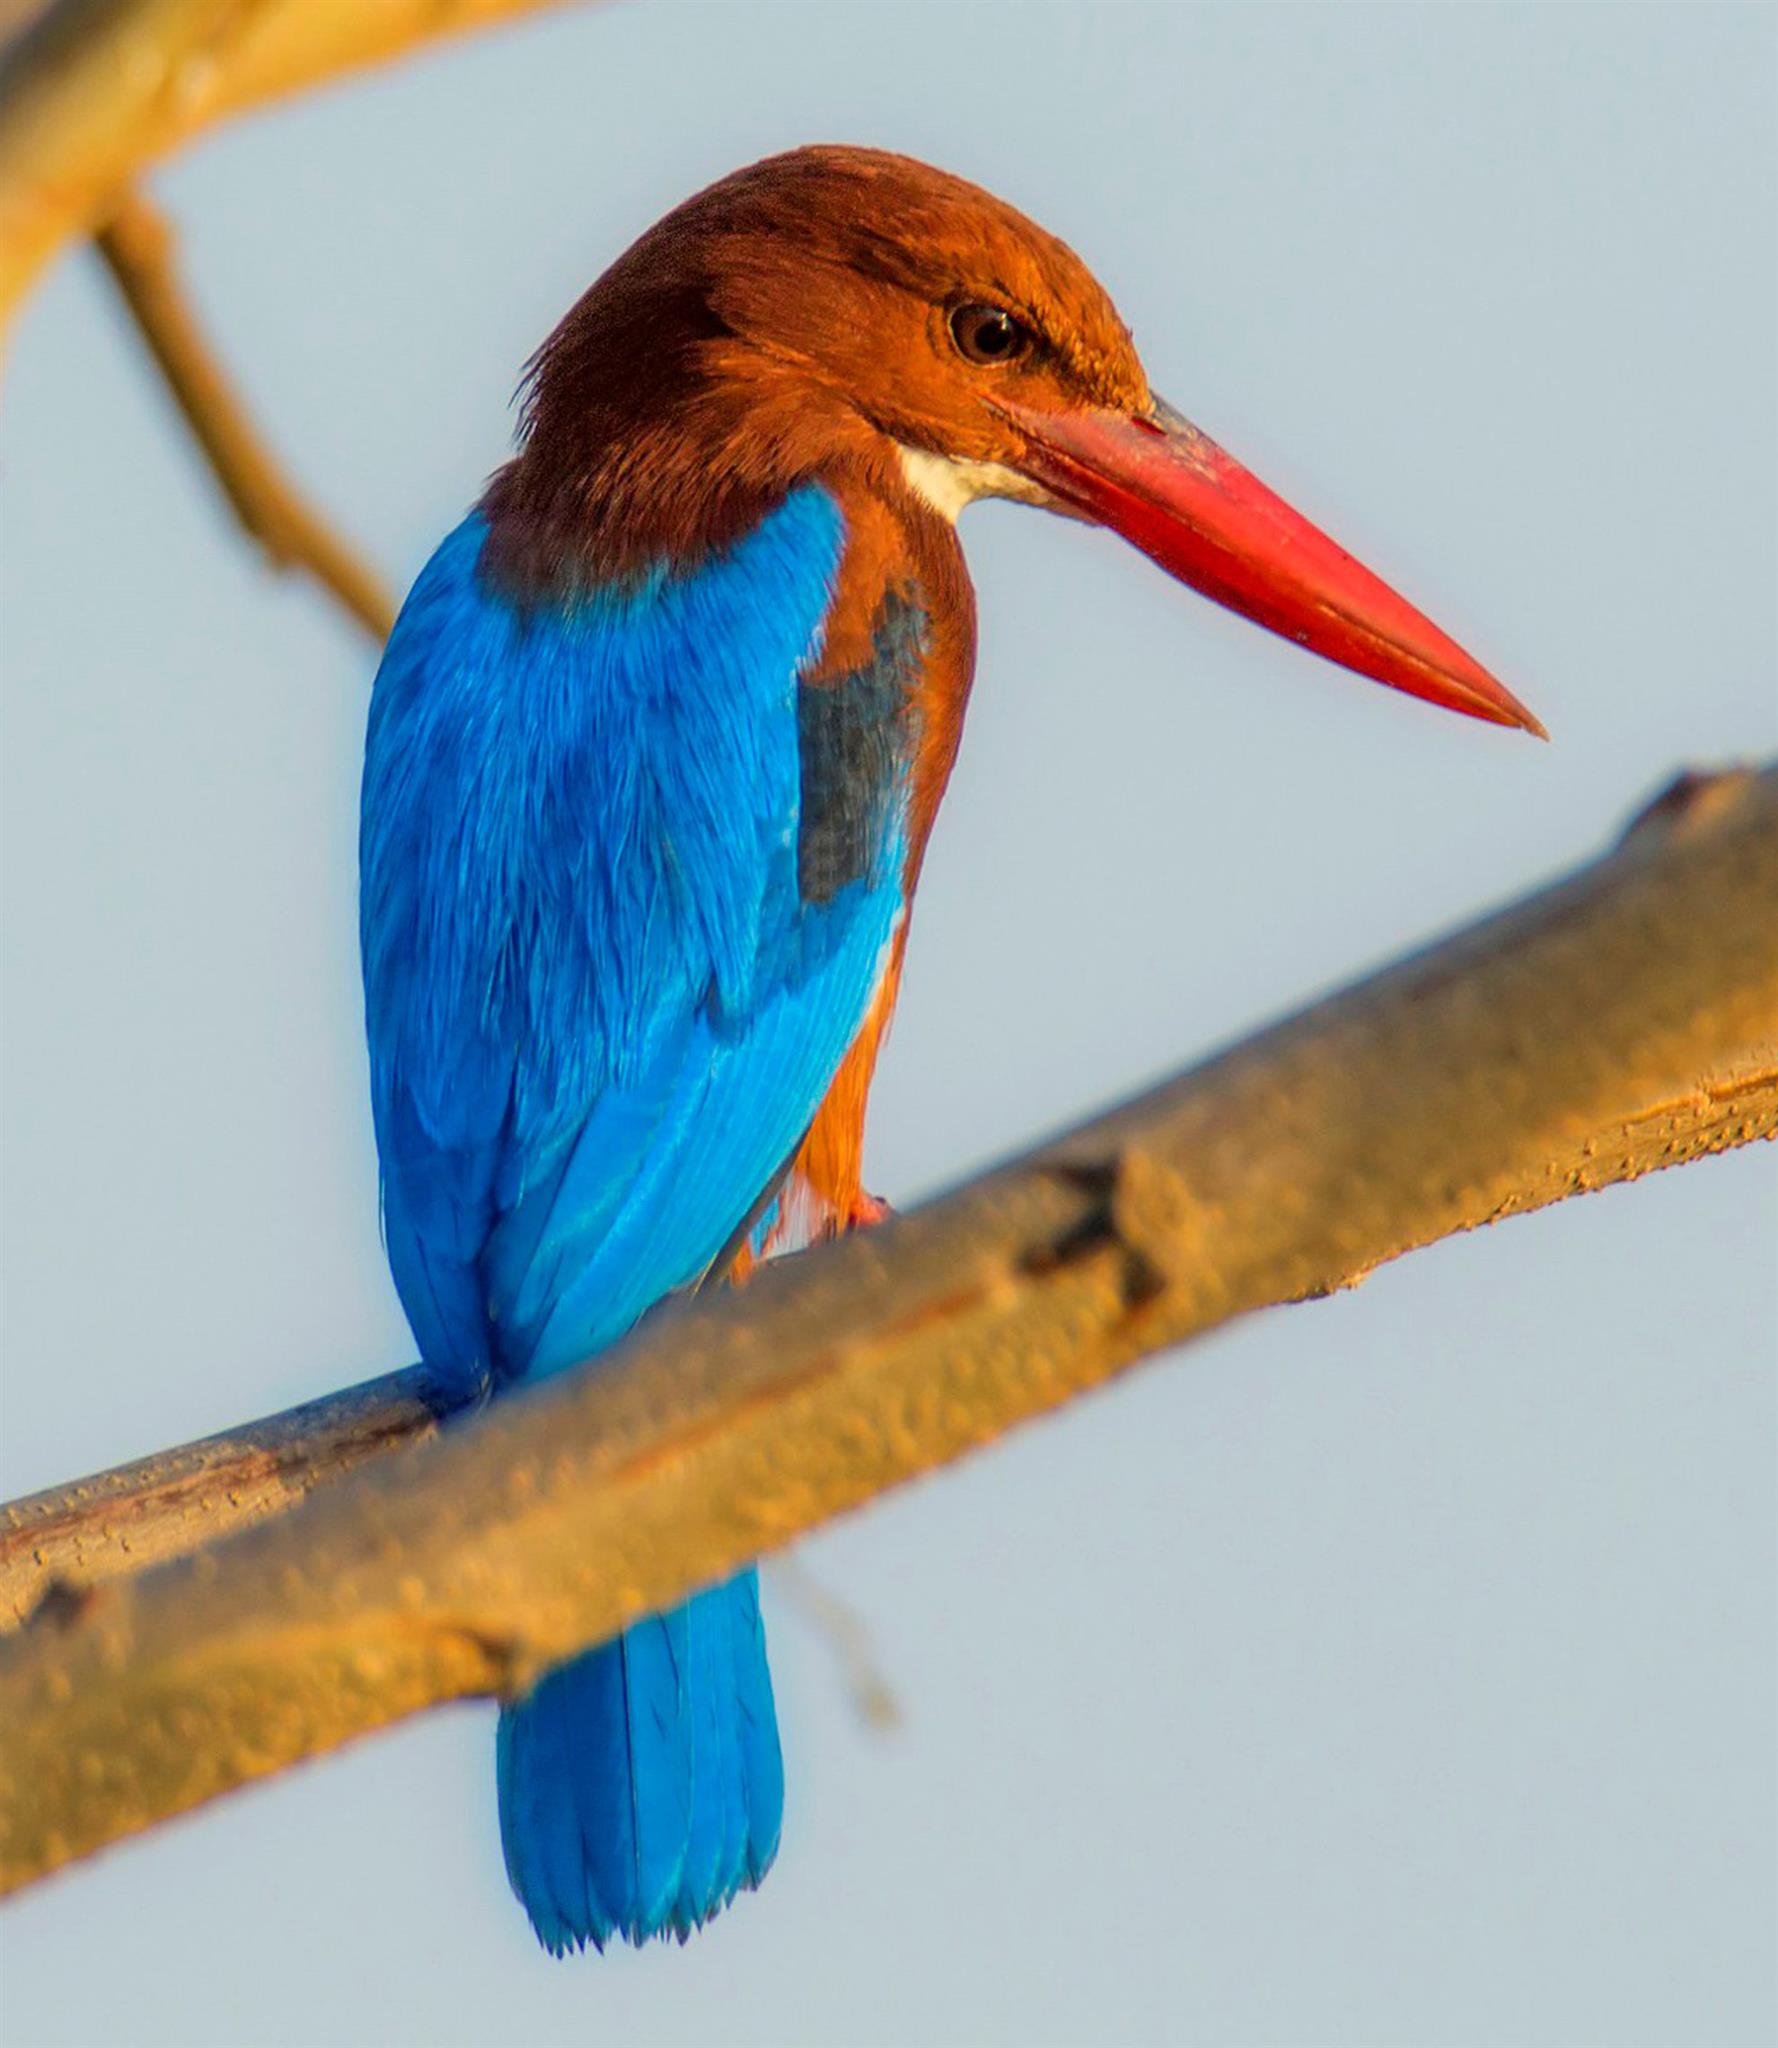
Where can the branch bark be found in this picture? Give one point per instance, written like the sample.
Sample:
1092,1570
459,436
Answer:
1619,1021
136,246
119,1522
112,1524
94,91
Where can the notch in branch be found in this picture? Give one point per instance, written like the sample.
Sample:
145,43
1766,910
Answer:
1622,1020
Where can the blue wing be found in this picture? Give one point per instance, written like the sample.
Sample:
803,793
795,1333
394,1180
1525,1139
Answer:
606,982
629,882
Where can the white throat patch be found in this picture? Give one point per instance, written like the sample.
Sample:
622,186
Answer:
947,483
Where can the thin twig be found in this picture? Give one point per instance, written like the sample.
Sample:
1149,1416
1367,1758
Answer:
1474,1079
137,246
845,1632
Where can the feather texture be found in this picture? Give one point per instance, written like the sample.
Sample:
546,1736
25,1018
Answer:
629,888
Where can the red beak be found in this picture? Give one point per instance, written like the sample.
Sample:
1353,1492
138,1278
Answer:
1170,491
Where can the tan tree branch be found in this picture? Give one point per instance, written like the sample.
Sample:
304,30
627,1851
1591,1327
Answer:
1624,1017
92,92
118,1522
58,1542
136,246
112,1524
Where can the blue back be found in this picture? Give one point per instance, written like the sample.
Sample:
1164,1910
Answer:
627,889
601,1011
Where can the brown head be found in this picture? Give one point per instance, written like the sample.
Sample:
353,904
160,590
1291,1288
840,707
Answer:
852,316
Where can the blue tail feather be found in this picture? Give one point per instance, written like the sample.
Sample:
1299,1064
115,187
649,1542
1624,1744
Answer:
641,1786
699,1881
757,1724
546,1859
731,1781
631,885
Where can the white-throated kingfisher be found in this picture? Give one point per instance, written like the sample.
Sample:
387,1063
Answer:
654,752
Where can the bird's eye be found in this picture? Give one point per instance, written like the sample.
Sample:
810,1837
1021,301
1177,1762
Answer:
988,335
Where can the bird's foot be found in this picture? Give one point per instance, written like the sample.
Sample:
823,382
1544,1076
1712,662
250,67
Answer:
867,1210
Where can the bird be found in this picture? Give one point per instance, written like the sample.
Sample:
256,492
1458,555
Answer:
654,753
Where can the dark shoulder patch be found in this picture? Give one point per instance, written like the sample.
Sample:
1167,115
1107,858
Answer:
855,732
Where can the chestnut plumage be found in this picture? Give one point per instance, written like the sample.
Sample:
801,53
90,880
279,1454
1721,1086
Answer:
654,754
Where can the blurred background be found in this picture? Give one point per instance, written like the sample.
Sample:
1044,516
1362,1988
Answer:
1397,1669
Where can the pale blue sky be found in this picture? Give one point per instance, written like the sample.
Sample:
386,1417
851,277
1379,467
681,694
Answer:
1397,1669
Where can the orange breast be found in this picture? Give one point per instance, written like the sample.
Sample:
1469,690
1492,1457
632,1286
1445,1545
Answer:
893,542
